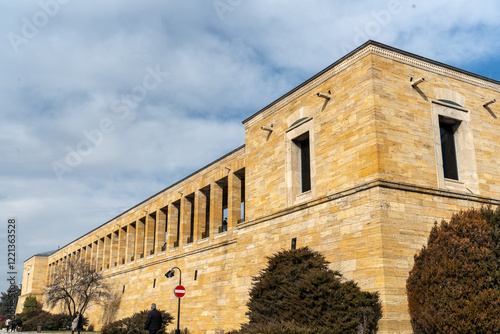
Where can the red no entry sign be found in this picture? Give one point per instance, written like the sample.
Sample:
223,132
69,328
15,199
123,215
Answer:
179,291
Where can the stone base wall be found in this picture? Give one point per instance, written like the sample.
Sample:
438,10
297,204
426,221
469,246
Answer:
369,233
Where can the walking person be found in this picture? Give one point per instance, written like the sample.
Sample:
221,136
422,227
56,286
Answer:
7,324
154,320
77,323
19,325
13,325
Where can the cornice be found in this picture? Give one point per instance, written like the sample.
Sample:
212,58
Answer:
435,67
373,48
378,183
321,77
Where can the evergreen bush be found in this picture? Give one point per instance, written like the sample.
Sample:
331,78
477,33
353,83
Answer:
297,294
453,286
30,304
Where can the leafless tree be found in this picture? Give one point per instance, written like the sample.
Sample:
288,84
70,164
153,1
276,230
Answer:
75,285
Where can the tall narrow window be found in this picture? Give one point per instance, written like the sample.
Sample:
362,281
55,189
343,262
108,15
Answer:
206,228
191,219
447,128
302,143
178,206
300,164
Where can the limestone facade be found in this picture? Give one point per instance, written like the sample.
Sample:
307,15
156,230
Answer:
371,150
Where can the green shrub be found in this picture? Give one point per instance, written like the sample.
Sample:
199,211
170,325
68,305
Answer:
30,304
47,320
453,286
297,293
135,324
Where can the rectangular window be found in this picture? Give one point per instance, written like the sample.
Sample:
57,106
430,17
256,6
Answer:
300,168
447,129
302,143
456,168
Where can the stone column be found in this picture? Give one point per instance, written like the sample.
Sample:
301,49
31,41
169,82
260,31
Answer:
173,222
107,252
122,245
185,227
93,259
100,254
114,256
87,255
150,235
216,195
233,201
200,209
130,249
139,238
161,228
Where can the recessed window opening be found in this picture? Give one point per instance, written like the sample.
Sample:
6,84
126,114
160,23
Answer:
294,243
153,217
154,283
164,212
206,227
177,206
302,143
447,128
225,196
191,218
195,274
241,175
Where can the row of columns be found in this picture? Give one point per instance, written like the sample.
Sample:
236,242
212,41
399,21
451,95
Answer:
193,217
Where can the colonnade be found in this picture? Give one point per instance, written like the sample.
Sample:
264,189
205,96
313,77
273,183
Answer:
189,220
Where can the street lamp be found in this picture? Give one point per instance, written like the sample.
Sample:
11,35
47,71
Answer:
169,274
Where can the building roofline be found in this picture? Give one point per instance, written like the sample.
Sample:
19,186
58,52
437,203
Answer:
358,49
48,253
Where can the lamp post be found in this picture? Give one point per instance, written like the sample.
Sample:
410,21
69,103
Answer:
169,274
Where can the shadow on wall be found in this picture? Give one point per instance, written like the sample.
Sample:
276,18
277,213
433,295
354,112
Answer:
110,307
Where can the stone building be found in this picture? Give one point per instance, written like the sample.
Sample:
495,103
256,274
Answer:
357,162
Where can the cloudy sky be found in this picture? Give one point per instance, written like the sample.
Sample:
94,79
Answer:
105,103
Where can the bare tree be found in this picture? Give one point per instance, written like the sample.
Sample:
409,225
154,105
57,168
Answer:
75,285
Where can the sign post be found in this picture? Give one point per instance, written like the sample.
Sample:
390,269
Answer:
179,292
